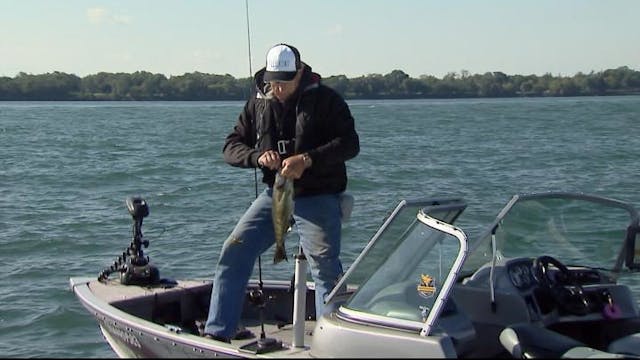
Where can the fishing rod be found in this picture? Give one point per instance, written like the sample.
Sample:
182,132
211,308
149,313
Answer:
255,170
264,344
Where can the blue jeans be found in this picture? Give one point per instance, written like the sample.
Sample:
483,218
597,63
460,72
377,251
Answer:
318,222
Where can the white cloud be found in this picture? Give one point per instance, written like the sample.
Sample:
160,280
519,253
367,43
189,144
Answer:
100,15
96,15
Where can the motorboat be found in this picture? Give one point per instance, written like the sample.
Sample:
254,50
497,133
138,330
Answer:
551,276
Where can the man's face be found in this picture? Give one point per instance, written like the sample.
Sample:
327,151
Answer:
282,90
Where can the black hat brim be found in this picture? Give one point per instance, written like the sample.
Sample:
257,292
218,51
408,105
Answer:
279,75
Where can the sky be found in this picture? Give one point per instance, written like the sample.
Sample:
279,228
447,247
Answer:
336,37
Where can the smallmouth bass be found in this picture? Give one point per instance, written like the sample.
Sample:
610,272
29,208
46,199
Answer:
281,211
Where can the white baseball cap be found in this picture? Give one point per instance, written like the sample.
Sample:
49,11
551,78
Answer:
283,61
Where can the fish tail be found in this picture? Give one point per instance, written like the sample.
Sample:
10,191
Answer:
281,254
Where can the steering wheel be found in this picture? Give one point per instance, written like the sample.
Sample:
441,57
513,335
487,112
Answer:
563,287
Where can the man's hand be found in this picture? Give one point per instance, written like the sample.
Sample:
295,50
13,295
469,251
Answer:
293,166
269,159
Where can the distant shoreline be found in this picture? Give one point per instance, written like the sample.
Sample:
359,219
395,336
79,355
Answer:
145,86
637,93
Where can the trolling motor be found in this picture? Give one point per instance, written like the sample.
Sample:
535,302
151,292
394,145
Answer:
133,266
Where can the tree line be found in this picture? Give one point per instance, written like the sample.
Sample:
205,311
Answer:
143,85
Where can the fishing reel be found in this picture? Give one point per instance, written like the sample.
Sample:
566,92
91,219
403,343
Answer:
133,266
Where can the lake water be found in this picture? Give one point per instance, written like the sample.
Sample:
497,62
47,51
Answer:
66,169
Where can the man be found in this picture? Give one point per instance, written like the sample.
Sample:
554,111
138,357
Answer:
295,124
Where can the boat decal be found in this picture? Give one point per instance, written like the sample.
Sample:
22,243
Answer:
426,288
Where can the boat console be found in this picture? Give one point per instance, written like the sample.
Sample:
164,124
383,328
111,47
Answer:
542,268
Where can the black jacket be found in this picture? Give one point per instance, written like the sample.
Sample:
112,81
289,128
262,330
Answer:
324,129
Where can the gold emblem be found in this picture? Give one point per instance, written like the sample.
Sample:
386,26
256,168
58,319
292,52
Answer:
427,287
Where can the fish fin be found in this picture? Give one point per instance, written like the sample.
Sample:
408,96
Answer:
280,254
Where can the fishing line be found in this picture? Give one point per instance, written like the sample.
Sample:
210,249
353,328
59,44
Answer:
246,2
246,6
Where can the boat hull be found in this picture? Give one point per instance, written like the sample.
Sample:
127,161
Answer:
128,319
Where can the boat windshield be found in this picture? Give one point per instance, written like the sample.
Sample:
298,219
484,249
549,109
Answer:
405,272
577,228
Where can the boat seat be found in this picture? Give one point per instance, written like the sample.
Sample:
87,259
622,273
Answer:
629,345
526,341
531,341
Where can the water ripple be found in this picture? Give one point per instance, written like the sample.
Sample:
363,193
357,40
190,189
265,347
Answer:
68,167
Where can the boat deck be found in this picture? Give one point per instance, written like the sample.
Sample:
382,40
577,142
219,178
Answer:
173,312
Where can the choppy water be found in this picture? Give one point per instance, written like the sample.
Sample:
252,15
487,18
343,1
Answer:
66,169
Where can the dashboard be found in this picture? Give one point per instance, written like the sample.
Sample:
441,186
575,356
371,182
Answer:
521,274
